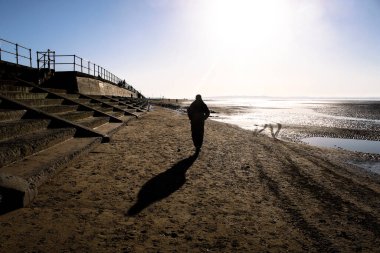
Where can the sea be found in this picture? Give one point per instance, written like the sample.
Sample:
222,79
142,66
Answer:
255,113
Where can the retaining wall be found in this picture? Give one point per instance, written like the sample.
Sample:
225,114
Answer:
79,82
90,86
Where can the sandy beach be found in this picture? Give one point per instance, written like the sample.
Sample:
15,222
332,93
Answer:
144,191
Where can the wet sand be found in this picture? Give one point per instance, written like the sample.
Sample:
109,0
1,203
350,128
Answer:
245,192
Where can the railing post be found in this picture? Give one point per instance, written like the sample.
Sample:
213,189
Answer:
74,62
94,69
0,54
48,56
38,61
88,63
81,64
16,53
30,57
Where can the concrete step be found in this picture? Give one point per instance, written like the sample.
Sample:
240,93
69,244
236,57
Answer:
13,129
18,148
10,87
97,106
9,82
99,97
133,111
93,122
127,118
60,91
71,96
41,102
108,101
105,109
9,114
19,181
58,108
113,103
127,108
23,95
116,114
126,102
109,128
143,104
77,115
82,101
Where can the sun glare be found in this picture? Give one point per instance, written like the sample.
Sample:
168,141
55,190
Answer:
246,24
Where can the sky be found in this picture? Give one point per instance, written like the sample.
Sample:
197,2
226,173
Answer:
180,48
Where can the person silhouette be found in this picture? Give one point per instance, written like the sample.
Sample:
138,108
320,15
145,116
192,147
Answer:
198,112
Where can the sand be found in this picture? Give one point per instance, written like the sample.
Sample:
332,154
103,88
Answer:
245,192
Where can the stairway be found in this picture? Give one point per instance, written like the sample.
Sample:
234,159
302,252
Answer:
128,105
43,129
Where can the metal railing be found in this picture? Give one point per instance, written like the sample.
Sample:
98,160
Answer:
50,61
79,64
46,60
19,52
71,62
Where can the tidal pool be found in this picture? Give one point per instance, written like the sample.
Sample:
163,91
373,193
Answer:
364,146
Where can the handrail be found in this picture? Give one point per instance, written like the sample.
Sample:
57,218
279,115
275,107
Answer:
16,52
84,66
47,60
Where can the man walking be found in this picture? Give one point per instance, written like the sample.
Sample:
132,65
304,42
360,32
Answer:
198,112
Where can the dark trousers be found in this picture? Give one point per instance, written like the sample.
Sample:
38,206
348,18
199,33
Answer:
197,132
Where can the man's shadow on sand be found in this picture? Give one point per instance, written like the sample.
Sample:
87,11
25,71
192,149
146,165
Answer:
162,185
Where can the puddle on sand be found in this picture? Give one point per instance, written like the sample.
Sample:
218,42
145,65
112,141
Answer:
364,146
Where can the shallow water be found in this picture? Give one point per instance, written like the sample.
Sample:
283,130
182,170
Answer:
364,146
255,113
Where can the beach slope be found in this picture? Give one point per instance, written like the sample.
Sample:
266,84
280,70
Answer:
146,192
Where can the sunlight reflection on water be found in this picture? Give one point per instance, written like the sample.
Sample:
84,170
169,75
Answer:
252,114
255,113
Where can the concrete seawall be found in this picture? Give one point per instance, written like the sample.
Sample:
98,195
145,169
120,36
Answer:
74,81
90,86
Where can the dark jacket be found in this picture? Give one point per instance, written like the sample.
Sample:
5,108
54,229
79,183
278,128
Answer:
198,111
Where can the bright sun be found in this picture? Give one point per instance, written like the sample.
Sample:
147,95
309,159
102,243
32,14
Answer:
246,24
